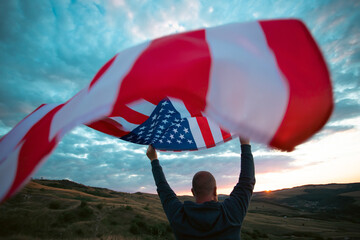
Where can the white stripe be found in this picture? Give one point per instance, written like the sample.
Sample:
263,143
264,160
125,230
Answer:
247,92
98,102
195,130
142,106
215,131
127,125
194,126
180,107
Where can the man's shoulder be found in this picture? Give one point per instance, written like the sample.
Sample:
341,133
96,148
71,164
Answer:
209,204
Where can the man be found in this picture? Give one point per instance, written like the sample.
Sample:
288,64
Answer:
207,218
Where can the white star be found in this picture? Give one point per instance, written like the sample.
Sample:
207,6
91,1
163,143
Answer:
162,109
131,137
178,124
171,136
160,141
176,120
161,127
169,141
165,121
154,117
189,141
186,130
148,135
153,124
157,136
181,136
164,103
147,138
159,131
182,120
142,128
141,132
151,130
171,111
167,115
175,130
178,141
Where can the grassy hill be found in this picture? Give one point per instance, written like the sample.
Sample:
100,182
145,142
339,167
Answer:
61,209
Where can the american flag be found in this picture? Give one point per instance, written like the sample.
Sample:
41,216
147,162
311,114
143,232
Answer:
256,79
169,126
164,129
168,129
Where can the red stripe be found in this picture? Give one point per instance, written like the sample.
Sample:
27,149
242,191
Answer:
23,120
128,114
184,58
102,71
205,131
108,126
226,135
35,147
310,93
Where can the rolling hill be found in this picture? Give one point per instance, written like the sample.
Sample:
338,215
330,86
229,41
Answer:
61,209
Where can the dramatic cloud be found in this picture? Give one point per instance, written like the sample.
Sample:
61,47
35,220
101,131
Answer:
49,50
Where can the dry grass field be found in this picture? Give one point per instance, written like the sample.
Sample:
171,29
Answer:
60,209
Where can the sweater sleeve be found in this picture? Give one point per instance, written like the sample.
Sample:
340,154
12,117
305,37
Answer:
238,202
168,198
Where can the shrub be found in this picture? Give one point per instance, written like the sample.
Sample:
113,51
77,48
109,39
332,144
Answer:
113,222
159,229
79,232
74,215
83,204
54,205
255,234
129,208
67,217
140,226
134,229
84,212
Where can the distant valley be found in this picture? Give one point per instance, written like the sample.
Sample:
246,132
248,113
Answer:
61,209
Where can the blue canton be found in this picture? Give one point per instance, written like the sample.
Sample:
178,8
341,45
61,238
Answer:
164,129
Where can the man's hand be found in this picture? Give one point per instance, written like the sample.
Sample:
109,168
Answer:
244,141
151,153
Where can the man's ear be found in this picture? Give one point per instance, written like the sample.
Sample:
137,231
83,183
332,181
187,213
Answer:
215,193
192,190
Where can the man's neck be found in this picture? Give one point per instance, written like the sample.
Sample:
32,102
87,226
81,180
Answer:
206,199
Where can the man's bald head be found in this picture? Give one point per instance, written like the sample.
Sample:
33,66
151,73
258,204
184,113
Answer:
203,184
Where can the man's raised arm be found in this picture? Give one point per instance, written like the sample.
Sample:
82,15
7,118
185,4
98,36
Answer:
240,196
167,196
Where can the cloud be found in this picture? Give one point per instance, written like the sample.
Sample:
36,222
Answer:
52,49
274,163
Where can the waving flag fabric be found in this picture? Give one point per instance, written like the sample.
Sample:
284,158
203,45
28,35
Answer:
265,80
169,126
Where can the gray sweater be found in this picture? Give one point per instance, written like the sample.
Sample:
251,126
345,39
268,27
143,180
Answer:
209,220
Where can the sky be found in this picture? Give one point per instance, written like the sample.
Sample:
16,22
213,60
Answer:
50,50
